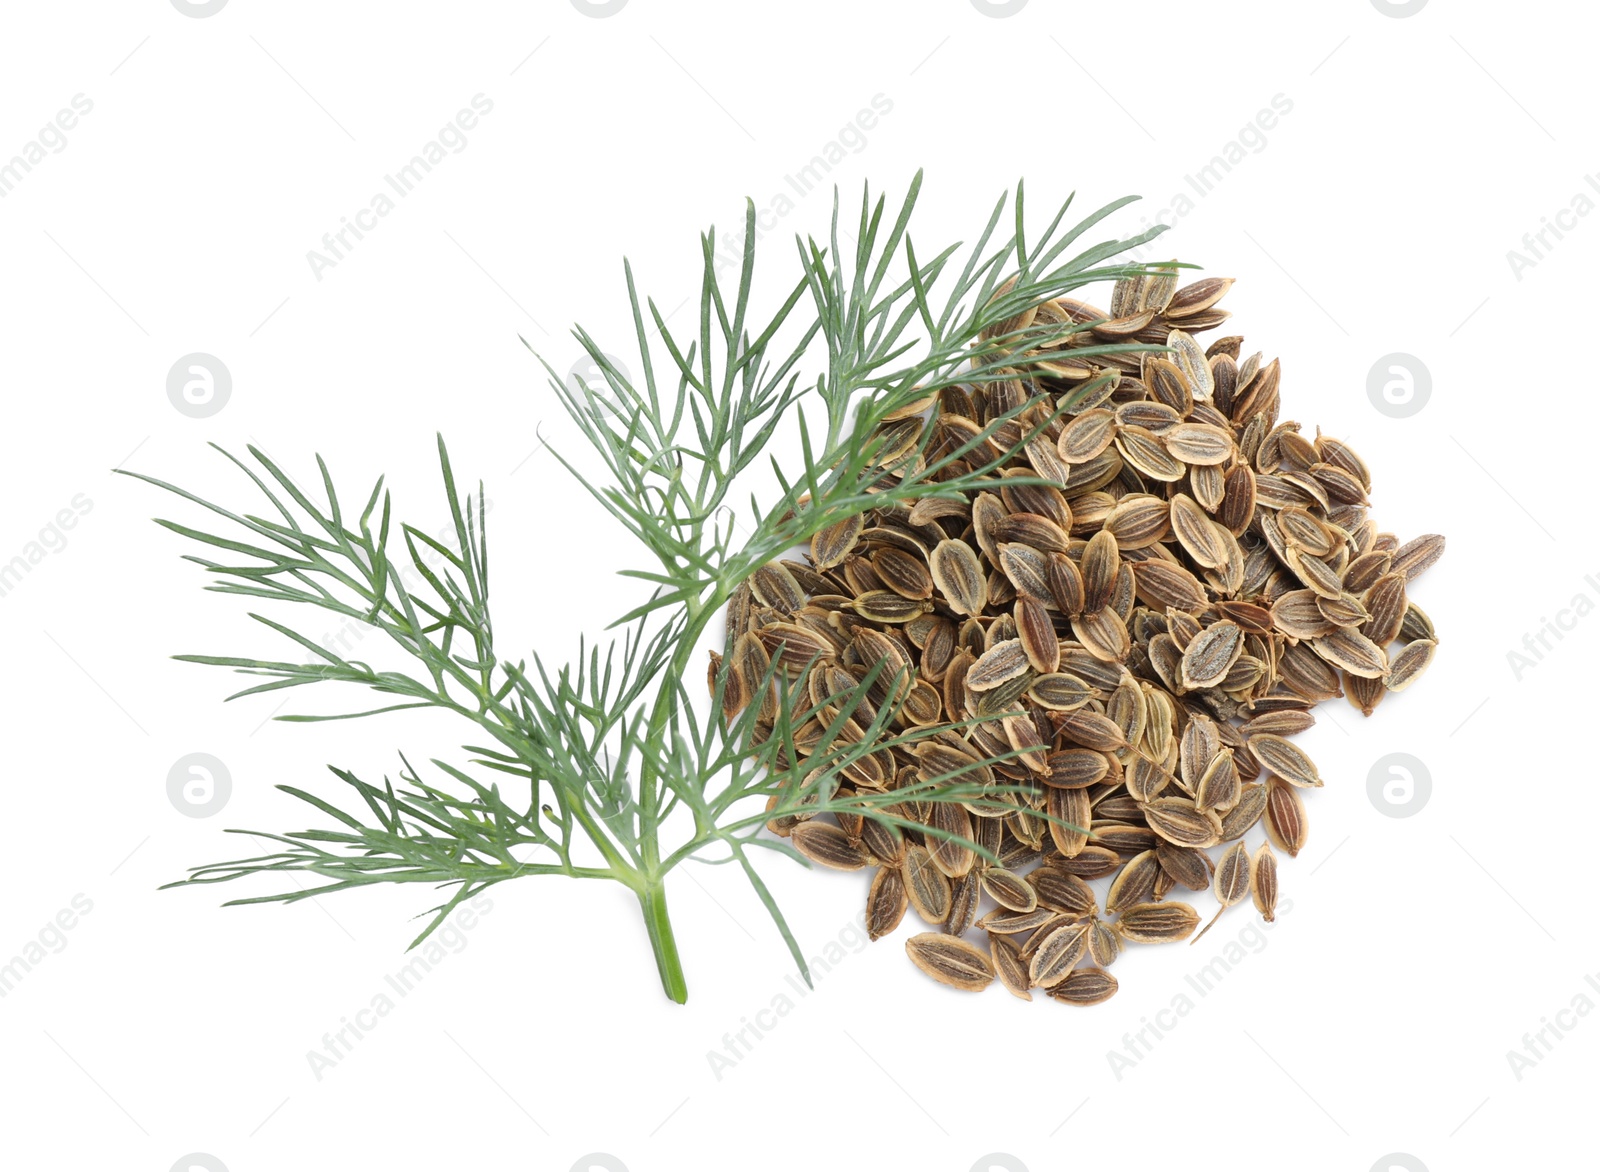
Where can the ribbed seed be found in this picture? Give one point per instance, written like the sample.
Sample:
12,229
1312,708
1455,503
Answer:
1285,759
1286,818
1060,949
1412,660
951,961
886,902
1009,891
1264,882
1157,923
1123,650
825,843
959,577
1177,821
1009,967
926,886
1085,986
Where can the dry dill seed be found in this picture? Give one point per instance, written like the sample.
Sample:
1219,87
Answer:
1136,640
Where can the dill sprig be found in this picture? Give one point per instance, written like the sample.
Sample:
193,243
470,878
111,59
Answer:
608,767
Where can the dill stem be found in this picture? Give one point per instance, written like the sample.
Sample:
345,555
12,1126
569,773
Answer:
653,899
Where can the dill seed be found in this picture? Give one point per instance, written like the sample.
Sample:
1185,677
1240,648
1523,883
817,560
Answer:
1121,653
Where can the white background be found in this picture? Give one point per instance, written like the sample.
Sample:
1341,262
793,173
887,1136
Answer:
1376,218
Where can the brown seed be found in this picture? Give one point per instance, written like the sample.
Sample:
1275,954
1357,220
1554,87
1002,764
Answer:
903,572
1353,652
774,586
1199,443
1210,654
1135,883
1103,634
1086,435
1157,923
1063,891
1008,890
1009,923
1092,862
1145,779
1286,818
1231,882
1060,691
884,842
1200,295
824,843
1010,967
1090,730
926,886
1123,650
1104,943
1027,569
1264,882
1191,868
1285,759
886,902
951,961
959,577
965,895
1076,768
1198,534
830,546
1247,811
1004,661
1191,360
1177,821
1066,584
1100,564
1057,953
1085,986
1410,663
1219,785
1418,554
1138,521
1386,606
1037,634
949,853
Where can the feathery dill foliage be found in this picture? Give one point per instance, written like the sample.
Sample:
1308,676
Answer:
604,750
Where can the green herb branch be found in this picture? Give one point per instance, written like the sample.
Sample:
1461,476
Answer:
618,772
